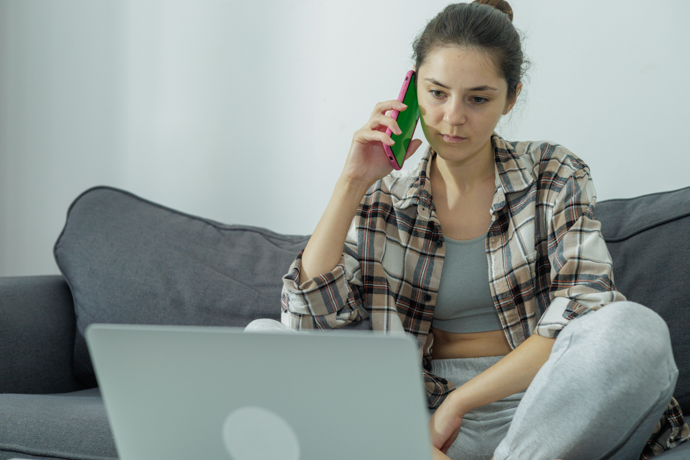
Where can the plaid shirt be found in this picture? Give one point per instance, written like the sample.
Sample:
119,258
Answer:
548,262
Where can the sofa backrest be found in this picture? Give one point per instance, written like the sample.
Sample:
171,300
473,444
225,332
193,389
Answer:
128,260
649,241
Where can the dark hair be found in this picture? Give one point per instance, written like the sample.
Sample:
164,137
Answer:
483,24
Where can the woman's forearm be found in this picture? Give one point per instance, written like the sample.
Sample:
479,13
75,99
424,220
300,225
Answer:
512,374
325,246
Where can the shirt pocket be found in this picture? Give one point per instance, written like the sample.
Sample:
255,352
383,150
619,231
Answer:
524,245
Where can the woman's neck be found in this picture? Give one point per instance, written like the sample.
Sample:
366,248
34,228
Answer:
465,176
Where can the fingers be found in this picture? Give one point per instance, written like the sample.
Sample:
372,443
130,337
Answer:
383,107
365,135
381,122
375,129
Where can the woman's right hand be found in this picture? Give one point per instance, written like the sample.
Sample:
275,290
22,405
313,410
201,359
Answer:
367,161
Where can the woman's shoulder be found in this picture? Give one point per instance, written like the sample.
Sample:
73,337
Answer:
542,157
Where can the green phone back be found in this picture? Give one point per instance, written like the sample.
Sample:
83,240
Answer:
407,120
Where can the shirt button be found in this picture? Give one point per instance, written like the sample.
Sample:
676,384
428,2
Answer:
439,242
427,297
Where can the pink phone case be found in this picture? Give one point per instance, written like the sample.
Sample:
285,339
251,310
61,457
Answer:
394,114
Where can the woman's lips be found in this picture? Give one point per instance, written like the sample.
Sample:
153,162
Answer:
453,138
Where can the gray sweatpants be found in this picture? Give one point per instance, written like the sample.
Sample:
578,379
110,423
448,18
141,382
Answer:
604,387
484,427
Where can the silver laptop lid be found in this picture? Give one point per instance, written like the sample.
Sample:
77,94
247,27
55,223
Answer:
181,392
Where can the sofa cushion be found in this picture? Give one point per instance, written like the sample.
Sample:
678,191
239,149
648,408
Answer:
128,260
65,426
649,241
37,328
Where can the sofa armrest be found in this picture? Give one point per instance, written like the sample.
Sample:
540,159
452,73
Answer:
37,326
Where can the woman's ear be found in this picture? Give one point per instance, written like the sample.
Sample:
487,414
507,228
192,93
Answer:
511,102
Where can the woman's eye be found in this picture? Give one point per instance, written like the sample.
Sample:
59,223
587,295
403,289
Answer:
434,91
479,100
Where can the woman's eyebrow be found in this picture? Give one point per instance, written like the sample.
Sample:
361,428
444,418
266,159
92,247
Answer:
476,88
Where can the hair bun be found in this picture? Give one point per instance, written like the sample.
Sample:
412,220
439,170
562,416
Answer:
500,5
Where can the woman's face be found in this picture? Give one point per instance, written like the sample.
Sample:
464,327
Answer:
461,99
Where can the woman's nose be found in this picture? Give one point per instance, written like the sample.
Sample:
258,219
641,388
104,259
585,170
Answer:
455,113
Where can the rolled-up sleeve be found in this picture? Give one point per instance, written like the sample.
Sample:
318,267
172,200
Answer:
581,267
329,300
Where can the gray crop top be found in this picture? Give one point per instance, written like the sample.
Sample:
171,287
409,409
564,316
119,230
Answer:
464,303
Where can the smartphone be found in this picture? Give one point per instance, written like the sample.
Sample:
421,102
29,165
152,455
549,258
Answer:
407,120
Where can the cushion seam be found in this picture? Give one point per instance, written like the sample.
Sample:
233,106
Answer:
214,224
41,453
666,192
645,228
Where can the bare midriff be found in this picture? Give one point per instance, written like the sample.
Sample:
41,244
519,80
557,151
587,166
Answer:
449,345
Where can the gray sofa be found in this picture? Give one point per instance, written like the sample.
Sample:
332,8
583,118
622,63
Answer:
127,260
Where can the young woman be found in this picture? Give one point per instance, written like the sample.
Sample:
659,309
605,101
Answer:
485,253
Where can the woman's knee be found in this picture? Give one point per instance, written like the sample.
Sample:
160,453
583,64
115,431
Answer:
630,319
629,331
267,325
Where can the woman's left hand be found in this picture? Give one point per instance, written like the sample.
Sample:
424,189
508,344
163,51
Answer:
438,455
444,425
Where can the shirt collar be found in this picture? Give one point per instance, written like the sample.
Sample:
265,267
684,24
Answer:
418,193
513,171
512,175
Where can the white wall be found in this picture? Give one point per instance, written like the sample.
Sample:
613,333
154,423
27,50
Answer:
242,112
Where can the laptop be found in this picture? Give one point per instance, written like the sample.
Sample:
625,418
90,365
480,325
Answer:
189,392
